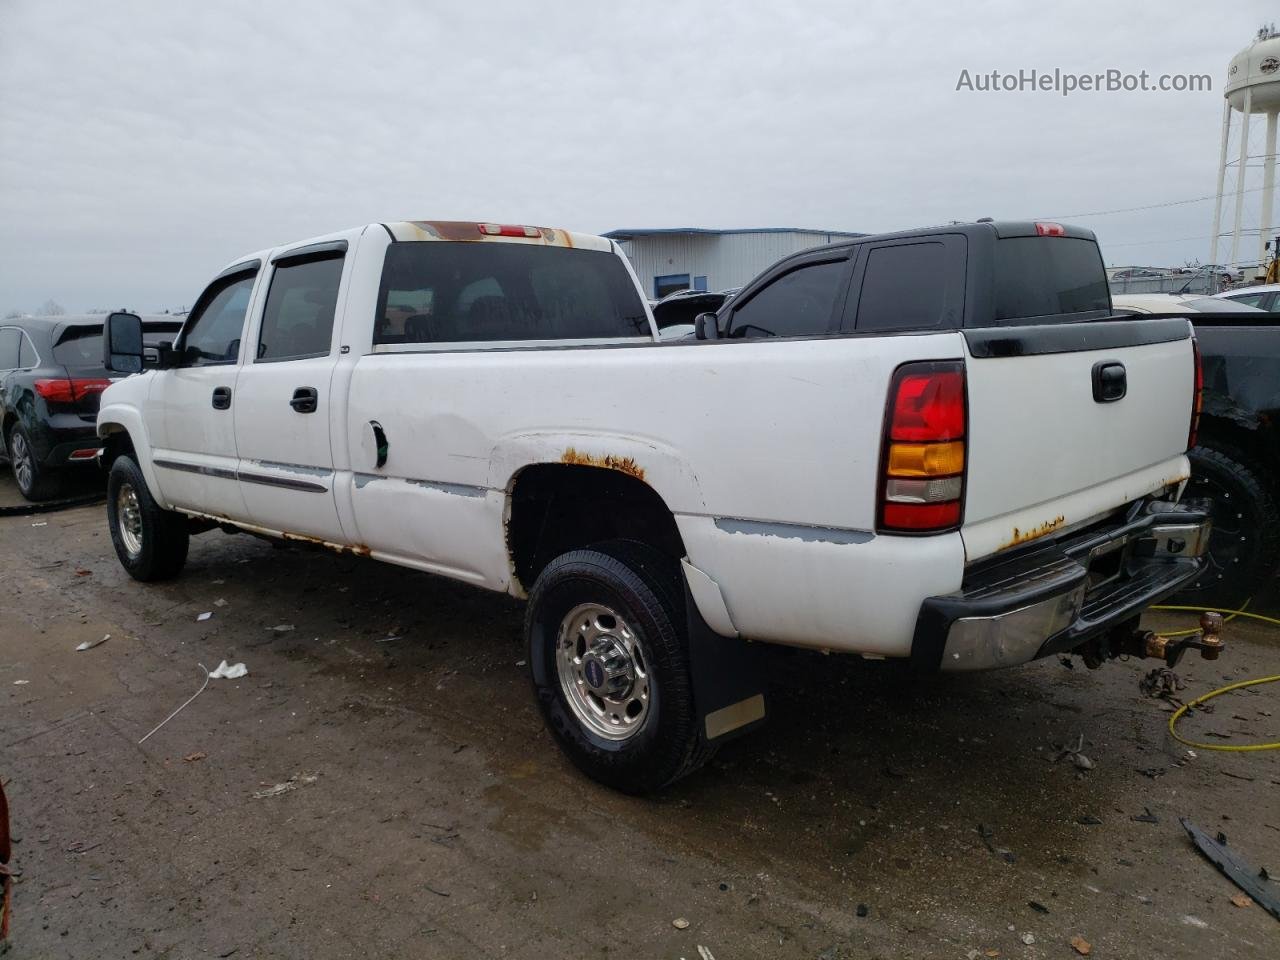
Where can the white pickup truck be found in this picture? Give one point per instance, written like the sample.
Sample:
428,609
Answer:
930,445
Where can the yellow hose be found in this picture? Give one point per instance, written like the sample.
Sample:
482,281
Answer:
1229,748
1177,715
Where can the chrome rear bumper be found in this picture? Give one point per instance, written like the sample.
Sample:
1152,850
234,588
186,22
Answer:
1052,597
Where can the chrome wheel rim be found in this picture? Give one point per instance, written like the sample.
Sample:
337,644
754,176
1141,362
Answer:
24,470
604,671
129,519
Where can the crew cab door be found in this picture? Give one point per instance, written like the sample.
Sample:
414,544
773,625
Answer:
284,401
191,409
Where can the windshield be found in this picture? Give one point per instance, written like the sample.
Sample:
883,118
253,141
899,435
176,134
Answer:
1048,279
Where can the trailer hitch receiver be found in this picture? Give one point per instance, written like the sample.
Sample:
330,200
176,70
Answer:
1170,649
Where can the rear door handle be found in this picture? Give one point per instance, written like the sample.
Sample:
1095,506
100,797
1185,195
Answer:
221,398
305,399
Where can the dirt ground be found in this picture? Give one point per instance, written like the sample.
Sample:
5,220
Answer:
426,813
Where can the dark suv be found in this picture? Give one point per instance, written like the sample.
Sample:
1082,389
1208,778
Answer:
51,376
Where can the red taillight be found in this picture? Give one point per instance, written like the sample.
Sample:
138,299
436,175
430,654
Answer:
1050,230
924,456
1197,402
927,406
69,391
508,230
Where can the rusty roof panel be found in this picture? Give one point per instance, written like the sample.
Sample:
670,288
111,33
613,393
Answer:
469,231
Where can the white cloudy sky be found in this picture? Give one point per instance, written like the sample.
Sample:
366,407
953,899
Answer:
145,144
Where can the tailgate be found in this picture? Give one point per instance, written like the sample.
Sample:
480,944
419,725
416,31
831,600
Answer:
1047,450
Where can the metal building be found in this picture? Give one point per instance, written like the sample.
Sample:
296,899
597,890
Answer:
691,258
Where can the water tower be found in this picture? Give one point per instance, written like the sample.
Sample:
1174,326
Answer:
1253,86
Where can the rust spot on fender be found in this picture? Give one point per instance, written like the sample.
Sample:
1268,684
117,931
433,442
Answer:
1035,533
622,464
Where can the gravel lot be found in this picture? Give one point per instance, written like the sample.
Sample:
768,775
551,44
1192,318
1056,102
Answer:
424,812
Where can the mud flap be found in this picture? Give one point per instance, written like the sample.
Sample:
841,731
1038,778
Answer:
728,678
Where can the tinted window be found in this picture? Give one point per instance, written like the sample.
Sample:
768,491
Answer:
797,304
213,331
1047,277
903,288
459,292
27,354
10,338
298,318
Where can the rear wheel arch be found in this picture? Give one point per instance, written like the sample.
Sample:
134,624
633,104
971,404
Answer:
553,508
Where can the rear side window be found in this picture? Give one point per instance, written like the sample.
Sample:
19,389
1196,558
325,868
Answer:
10,339
797,304
1048,278
297,321
27,353
477,292
903,287
214,329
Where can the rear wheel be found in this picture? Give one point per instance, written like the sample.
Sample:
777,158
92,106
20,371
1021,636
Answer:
610,665
1245,545
150,541
35,481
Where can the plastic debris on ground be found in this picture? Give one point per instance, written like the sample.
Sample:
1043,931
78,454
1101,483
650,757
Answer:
225,671
297,780
1256,883
90,644
201,617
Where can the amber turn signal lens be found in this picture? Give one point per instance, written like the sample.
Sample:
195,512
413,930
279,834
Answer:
926,459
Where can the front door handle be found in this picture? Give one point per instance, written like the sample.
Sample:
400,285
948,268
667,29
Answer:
221,398
305,400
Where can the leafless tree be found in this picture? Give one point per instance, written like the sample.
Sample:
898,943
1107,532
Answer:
50,308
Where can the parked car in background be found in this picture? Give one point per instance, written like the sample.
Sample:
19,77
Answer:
51,378
1167,304
1237,458
1265,296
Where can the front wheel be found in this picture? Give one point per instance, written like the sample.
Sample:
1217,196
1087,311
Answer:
606,634
150,541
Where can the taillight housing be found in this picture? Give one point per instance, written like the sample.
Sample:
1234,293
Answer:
1197,401
924,453
1050,230
70,391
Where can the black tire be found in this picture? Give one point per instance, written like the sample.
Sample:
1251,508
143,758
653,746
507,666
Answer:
162,534
35,481
1244,548
645,589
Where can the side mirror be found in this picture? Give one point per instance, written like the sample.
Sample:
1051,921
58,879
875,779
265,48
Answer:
705,327
122,343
